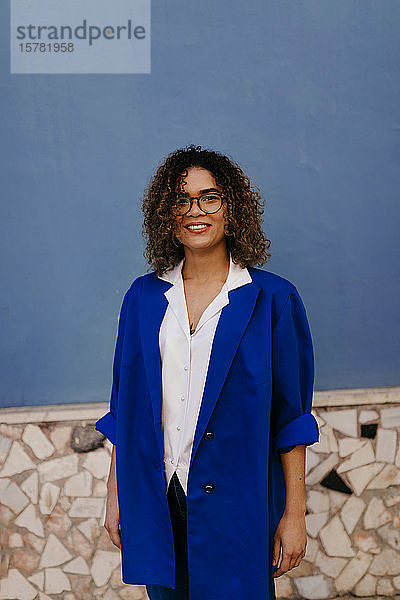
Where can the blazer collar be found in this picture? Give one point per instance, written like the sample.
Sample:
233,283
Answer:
237,275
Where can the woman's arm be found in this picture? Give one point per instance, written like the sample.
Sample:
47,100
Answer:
290,533
111,522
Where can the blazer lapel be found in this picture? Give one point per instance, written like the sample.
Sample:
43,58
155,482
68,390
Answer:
230,329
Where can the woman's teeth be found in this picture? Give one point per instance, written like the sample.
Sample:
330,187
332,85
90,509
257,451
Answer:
197,227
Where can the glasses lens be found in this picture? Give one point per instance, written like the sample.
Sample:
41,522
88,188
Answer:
181,205
210,203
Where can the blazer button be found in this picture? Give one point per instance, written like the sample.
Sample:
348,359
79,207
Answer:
209,435
209,487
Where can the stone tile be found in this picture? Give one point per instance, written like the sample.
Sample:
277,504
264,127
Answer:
360,477
58,468
79,543
15,585
344,421
65,503
315,521
30,519
312,460
312,549
390,475
319,472
30,487
77,565
137,592
90,529
353,572
5,445
34,542
11,431
86,507
61,436
111,595
54,553
82,586
349,445
4,565
34,437
390,417
98,463
17,461
38,580
365,455
25,561
56,581
390,535
330,566
58,522
116,580
5,537
351,512
335,540
13,497
43,596
376,514
48,497
5,514
313,587
396,582
366,542
366,586
283,587
100,489
79,484
336,500
386,442
368,416
386,562
392,497
384,587
16,541
317,502
103,565
69,597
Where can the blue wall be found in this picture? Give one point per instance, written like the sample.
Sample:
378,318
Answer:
303,94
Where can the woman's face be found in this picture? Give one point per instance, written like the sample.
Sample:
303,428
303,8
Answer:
200,181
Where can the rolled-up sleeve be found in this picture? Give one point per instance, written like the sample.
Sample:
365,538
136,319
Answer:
292,378
107,424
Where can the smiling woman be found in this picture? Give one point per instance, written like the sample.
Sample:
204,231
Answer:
212,387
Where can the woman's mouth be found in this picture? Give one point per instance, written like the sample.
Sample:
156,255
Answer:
197,228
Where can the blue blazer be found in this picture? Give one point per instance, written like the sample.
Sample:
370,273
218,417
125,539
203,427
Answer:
257,402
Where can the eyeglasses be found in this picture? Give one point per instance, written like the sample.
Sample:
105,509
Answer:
208,203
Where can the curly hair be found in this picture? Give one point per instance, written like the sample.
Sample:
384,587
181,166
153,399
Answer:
245,239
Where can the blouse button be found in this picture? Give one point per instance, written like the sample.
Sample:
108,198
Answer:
185,367
178,428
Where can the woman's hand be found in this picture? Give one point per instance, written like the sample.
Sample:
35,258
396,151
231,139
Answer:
291,535
111,522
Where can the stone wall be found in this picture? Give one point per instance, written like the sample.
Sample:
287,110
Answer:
53,471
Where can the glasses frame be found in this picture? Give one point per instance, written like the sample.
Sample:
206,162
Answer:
197,198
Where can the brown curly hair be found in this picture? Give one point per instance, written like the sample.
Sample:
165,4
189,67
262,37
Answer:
245,239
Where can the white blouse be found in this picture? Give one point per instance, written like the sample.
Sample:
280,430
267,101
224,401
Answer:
184,359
